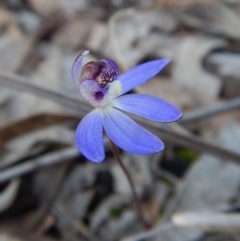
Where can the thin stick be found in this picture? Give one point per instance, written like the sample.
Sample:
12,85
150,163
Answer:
151,233
39,163
19,83
136,199
207,112
61,212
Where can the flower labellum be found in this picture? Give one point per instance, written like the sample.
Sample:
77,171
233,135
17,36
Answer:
100,84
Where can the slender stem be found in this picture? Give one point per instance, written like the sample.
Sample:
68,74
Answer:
136,199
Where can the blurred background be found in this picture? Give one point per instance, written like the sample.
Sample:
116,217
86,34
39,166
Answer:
48,191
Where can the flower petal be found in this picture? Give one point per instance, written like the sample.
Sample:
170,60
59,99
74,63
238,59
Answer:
77,67
147,106
112,67
128,135
141,73
89,136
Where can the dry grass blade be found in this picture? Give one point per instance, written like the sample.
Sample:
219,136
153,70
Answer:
60,210
56,187
150,233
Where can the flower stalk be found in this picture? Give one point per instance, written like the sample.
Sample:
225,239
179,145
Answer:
136,199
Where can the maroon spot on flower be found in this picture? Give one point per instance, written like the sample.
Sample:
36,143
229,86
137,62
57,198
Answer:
98,95
92,70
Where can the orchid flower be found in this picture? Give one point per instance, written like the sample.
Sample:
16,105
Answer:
100,84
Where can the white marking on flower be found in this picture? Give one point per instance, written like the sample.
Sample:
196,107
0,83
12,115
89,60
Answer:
97,96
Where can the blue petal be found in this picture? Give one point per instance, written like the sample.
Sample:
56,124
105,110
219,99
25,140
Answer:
89,136
77,67
141,73
147,106
128,135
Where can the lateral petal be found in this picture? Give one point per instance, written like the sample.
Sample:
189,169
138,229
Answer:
141,73
128,135
147,106
89,136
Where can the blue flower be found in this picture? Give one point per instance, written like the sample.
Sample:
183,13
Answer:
103,88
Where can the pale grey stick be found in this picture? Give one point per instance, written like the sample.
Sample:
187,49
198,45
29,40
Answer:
23,84
203,113
190,141
39,163
182,139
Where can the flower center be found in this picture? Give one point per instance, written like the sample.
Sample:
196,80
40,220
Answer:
98,83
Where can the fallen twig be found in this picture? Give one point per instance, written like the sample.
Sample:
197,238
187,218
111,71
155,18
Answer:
179,138
191,141
151,233
61,212
203,113
23,84
22,126
39,163
56,186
